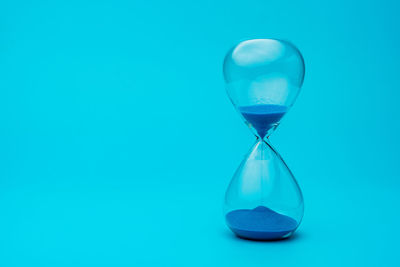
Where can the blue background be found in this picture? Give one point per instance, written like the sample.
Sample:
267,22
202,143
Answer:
117,140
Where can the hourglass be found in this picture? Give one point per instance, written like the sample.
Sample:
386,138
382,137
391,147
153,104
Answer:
263,79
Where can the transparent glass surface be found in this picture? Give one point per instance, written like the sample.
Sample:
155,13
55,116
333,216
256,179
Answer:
263,78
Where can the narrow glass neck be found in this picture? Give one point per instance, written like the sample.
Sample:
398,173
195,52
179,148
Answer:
261,150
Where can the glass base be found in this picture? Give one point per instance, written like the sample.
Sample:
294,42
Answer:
261,236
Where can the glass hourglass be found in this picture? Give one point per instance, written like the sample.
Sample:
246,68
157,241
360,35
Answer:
263,79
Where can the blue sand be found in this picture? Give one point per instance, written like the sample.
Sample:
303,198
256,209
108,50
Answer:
263,117
260,223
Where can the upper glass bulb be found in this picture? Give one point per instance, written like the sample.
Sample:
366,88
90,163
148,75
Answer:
263,78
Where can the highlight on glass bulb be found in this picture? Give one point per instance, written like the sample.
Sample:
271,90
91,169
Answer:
263,79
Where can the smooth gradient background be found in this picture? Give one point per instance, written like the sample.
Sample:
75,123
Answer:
117,140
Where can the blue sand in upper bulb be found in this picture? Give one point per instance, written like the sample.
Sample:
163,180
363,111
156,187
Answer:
263,117
260,223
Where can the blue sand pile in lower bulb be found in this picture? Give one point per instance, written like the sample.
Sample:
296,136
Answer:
260,223
263,117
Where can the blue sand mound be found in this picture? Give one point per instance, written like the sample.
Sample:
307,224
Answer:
263,117
260,223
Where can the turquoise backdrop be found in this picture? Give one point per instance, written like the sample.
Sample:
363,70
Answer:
117,139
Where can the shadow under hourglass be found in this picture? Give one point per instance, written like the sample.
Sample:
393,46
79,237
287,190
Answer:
296,236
